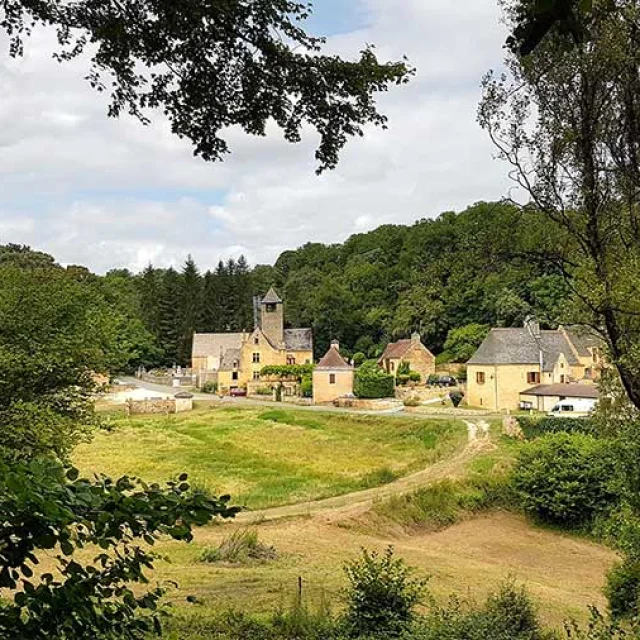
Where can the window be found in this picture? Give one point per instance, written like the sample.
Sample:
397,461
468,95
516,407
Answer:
480,377
256,358
291,360
271,308
256,375
588,374
256,341
562,379
533,377
393,366
307,361
332,378
234,375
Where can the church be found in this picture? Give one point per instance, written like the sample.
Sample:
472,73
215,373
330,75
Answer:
232,360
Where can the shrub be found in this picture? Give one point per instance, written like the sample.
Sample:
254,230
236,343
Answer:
210,387
623,588
404,368
382,595
306,387
567,479
402,379
411,402
241,547
264,391
456,398
414,376
432,380
358,358
536,427
370,381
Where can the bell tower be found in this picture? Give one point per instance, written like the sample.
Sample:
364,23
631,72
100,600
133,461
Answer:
272,318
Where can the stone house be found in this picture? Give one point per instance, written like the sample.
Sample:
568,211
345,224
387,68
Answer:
235,359
332,377
516,360
420,359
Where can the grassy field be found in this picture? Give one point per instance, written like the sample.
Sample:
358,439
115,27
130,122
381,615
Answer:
269,457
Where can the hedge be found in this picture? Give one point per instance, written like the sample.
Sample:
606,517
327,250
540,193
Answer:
371,382
535,427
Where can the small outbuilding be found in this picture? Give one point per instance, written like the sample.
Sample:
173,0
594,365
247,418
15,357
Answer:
413,352
546,396
332,377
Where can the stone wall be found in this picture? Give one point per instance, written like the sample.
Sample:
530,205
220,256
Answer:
156,406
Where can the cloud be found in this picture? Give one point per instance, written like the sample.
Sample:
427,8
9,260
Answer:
112,193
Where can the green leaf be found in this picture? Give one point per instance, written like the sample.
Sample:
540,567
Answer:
586,6
73,474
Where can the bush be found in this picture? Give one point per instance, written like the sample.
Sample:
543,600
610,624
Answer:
623,588
306,387
402,379
264,391
411,402
381,596
241,547
433,380
414,376
358,358
536,427
210,387
567,479
456,398
370,381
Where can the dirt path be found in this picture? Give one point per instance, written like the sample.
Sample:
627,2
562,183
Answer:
353,504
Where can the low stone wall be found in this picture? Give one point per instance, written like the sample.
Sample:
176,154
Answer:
367,405
157,406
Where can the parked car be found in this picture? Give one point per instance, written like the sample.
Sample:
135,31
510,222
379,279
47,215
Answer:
446,381
238,393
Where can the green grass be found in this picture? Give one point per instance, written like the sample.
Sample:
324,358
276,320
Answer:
273,457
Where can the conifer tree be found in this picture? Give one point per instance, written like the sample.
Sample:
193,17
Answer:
168,316
191,300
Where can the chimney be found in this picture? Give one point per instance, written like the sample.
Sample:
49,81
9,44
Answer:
415,338
336,345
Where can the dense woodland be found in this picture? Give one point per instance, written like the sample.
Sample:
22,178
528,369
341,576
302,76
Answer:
477,267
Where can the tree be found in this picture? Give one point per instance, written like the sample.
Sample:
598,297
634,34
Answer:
190,308
210,66
567,119
462,343
55,332
169,316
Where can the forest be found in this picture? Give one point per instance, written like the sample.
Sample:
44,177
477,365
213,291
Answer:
463,272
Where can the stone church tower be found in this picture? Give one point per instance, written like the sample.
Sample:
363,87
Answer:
272,318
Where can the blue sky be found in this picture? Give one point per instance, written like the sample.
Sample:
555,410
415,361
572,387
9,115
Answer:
111,193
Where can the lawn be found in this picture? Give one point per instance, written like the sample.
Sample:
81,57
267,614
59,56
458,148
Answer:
270,457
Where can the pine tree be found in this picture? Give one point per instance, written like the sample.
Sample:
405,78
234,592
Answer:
191,308
169,316
150,284
243,295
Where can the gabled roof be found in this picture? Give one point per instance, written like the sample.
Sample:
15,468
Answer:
298,339
518,346
272,297
333,360
395,350
230,360
583,339
564,391
215,344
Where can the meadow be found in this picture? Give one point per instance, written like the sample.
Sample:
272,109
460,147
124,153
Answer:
269,457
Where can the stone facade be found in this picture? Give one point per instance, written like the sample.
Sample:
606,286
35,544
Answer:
160,405
235,359
511,362
333,377
420,359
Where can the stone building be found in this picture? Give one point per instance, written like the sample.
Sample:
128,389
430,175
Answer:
332,377
512,363
420,359
232,360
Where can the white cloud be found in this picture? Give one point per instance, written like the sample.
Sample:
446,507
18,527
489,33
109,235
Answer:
111,193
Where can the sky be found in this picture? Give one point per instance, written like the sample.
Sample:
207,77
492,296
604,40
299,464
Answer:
110,193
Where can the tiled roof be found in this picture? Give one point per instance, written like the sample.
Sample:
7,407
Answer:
396,350
564,391
215,344
518,346
298,339
583,338
272,297
230,360
333,360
